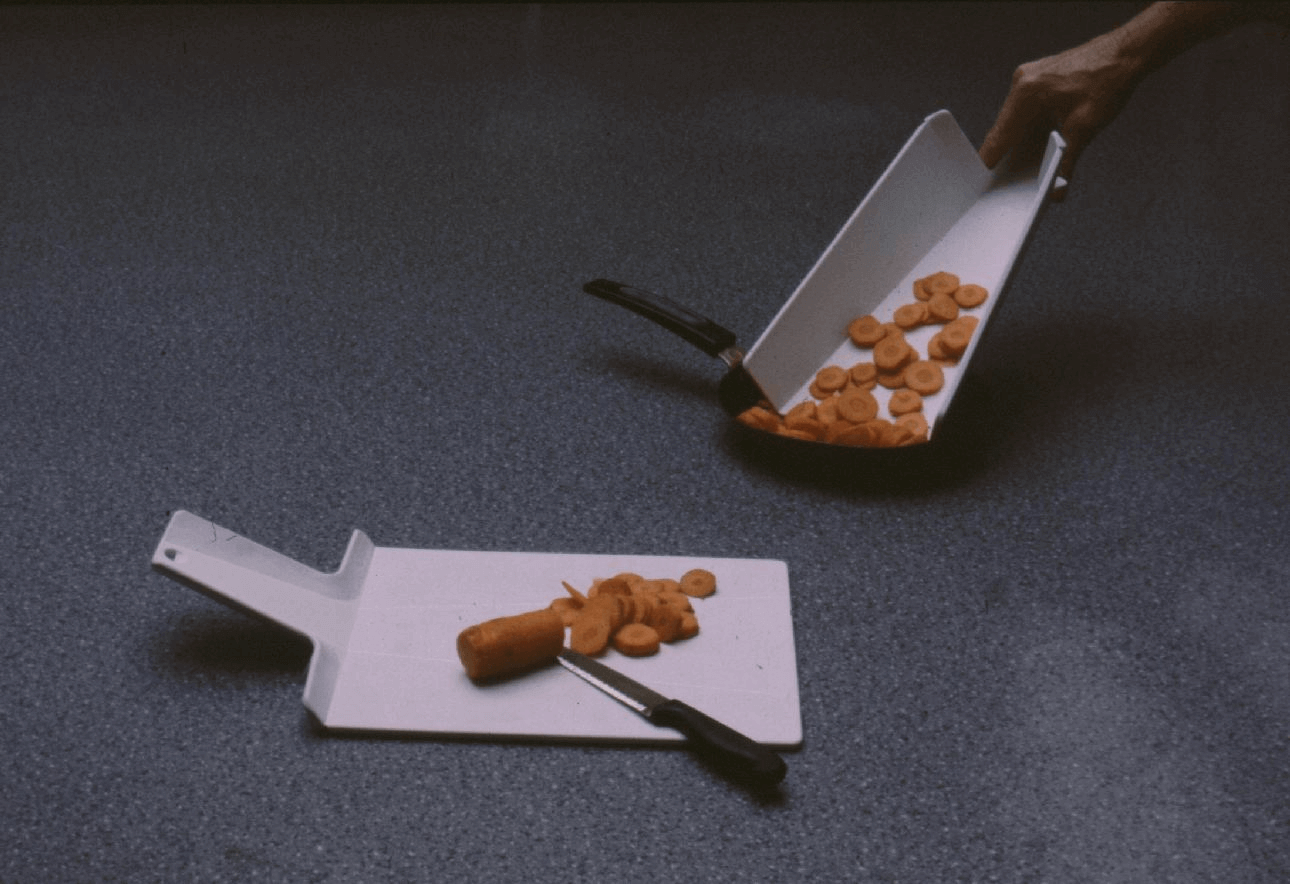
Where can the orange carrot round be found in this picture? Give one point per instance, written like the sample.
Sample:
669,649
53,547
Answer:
924,377
940,283
909,316
903,402
891,353
831,378
863,374
970,295
759,418
637,640
942,308
866,331
857,406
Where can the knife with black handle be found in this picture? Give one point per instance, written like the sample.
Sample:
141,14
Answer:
724,746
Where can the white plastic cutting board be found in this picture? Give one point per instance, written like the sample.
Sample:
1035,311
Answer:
384,629
936,207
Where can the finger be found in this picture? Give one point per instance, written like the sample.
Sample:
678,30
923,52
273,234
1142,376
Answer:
1009,128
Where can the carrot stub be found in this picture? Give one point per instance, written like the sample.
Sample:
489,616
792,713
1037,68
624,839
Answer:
509,645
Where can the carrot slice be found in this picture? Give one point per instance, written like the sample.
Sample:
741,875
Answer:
903,402
970,295
957,334
942,308
595,624
940,283
857,406
689,627
855,435
913,315
677,599
891,353
666,621
924,377
892,380
831,378
827,410
760,418
915,423
637,640
866,331
936,350
613,586
864,374
698,583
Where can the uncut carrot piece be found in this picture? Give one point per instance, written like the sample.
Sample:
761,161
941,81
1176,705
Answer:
864,374
509,645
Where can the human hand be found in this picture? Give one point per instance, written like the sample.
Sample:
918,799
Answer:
1077,93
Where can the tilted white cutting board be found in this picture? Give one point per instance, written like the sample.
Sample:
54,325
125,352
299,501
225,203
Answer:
936,207
384,629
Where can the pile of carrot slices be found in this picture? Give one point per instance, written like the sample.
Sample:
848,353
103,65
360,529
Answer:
843,409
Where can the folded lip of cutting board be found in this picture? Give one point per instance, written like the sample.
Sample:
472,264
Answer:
384,628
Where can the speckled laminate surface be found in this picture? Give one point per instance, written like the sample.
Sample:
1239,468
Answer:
304,270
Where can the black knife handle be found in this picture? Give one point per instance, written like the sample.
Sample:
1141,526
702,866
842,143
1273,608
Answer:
723,745
698,330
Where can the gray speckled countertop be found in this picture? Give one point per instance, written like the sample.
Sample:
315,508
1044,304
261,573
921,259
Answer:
304,270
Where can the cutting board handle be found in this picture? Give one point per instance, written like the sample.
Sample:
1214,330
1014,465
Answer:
253,578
